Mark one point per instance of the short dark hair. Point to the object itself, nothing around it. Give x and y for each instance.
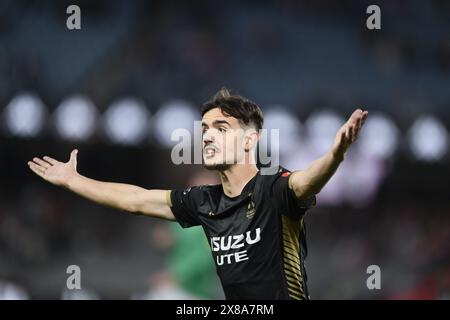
(241, 108)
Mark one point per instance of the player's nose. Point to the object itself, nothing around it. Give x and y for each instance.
(208, 137)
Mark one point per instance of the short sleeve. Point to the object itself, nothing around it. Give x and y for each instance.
(285, 199)
(184, 204)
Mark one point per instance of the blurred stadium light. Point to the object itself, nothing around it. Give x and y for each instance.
(428, 139)
(79, 294)
(12, 291)
(126, 121)
(379, 138)
(279, 118)
(173, 115)
(75, 118)
(24, 115)
(322, 127)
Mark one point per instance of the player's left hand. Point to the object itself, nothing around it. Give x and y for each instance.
(348, 133)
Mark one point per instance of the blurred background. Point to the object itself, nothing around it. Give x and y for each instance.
(137, 70)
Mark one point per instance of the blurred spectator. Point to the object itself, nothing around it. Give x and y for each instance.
(190, 272)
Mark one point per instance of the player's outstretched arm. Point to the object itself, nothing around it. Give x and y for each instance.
(309, 182)
(126, 197)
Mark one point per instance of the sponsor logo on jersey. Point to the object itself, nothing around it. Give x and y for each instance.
(234, 242)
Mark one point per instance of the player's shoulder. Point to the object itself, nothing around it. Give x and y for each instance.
(270, 175)
(201, 189)
(211, 188)
(269, 178)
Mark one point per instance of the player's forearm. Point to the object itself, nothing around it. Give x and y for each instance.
(111, 194)
(310, 182)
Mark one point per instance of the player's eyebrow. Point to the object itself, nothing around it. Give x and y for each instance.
(216, 123)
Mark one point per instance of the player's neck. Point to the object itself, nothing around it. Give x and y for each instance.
(235, 178)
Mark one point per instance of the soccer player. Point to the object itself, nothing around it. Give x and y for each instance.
(254, 222)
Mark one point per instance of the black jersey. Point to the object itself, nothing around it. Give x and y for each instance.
(257, 239)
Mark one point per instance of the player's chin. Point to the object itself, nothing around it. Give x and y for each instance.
(216, 166)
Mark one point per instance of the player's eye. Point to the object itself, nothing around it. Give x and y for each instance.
(222, 130)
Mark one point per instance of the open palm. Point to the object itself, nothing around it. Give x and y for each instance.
(348, 133)
(54, 171)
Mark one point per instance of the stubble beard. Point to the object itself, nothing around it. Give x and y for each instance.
(217, 166)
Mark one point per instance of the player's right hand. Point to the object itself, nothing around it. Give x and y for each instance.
(53, 171)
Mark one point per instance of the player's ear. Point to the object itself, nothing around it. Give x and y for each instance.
(250, 139)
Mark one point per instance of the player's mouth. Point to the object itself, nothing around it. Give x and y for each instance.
(210, 151)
